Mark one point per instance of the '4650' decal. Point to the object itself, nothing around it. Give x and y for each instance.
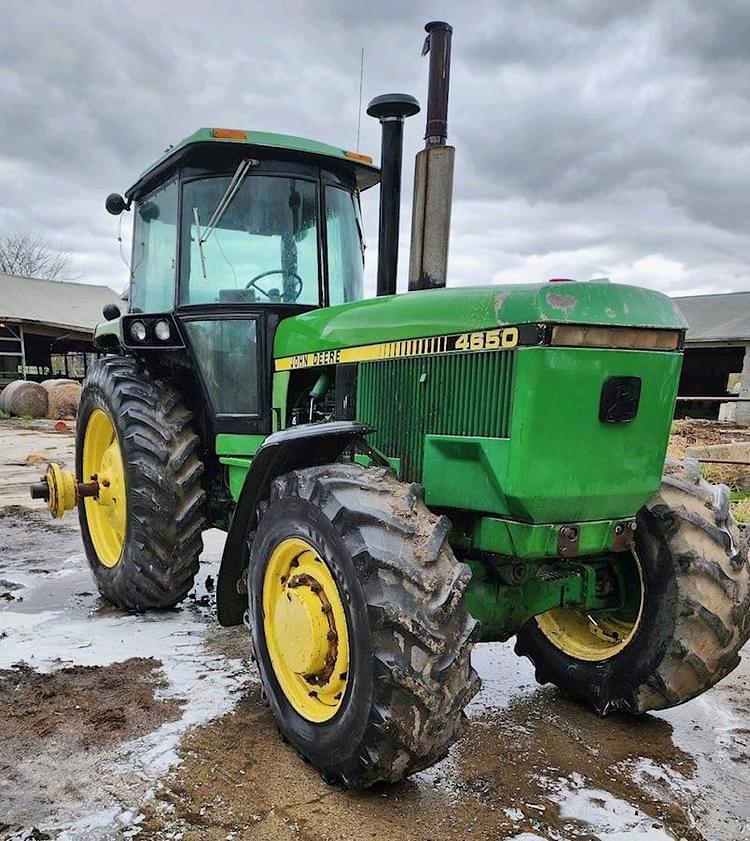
(506, 337)
(501, 338)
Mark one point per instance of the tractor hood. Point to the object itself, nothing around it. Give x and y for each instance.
(464, 309)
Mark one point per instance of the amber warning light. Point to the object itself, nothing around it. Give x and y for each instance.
(228, 134)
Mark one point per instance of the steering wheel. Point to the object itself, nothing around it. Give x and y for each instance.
(253, 283)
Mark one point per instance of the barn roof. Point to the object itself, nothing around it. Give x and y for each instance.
(53, 303)
(715, 319)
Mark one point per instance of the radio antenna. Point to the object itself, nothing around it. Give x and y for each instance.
(361, 78)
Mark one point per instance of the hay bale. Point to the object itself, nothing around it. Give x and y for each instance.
(50, 384)
(23, 398)
(63, 400)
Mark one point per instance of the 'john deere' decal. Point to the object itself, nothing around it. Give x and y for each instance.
(502, 338)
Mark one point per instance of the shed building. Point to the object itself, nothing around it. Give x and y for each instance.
(717, 352)
(47, 327)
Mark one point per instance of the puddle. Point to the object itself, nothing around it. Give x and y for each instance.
(532, 765)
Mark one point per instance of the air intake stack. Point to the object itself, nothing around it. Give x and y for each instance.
(433, 174)
(391, 109)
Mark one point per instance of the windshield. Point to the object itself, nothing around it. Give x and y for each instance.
(262, 247)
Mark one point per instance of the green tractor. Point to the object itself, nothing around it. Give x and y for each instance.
(398, 477)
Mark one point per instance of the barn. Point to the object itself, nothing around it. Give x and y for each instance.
(47, 327)
(717, 353)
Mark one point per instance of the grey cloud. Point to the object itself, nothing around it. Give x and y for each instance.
(604, 136)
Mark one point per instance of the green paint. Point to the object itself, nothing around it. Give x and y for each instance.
(367, 175)
(243, 445)
(503, 604)
(105, 332)
(564, 464)
(279, 390)
(236, 461)
(465, 472)
(525, 540)
(235, 452)
(442, 311)
(236, 472)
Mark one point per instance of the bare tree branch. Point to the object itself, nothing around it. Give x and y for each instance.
(27, 255)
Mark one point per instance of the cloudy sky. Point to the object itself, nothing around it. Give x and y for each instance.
(594, 137)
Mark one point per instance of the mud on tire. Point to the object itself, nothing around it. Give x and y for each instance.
(696, 611)
(411, 636)
(166, 504)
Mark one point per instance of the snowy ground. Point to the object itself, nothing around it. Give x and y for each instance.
(182, 746)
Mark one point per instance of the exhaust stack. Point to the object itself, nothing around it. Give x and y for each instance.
(391, 109)
(433, 173)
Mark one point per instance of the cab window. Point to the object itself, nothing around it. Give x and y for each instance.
(251, 239)
(345, 246)
(153, 263)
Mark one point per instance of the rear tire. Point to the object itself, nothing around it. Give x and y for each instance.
(409, 634)
(696, 606)
(166, 505)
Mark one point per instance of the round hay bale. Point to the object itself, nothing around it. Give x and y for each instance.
(50, 384)
(64, 400)
(23, 398)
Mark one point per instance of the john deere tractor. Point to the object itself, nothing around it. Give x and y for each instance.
(398, 477)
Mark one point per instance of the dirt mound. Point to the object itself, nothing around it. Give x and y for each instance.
(86, 706)
(63, 400)
(693, 434)
(24, 399)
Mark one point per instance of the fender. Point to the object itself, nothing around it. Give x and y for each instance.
(308, 445)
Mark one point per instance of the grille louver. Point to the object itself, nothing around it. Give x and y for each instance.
(459, 394)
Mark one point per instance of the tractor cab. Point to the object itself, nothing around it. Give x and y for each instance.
(233, 231)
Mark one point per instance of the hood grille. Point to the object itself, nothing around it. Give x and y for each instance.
(457, 394)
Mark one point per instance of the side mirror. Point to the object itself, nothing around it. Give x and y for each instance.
(111, 312)
(115, 204)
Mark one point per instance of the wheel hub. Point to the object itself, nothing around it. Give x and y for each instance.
(302, 629)
(306, 631)
(601, 635)
(106, 513)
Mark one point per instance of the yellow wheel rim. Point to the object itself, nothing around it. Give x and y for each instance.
(306, 632)
(106, 514)
(600, 635)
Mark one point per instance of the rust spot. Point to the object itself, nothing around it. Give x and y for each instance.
(500, 299)
(560, 301)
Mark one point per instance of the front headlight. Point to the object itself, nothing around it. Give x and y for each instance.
(138, 331)
(162, 330)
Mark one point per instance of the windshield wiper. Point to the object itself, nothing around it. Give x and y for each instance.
(358, 220)
(224, 202)
(197, 220)
(229, 194)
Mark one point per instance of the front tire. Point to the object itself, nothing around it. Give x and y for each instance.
(142, 533)
(396, 705)
(694, 615)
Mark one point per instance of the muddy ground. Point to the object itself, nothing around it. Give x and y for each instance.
(116, 726)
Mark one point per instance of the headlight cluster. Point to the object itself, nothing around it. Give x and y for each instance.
(152, 332)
